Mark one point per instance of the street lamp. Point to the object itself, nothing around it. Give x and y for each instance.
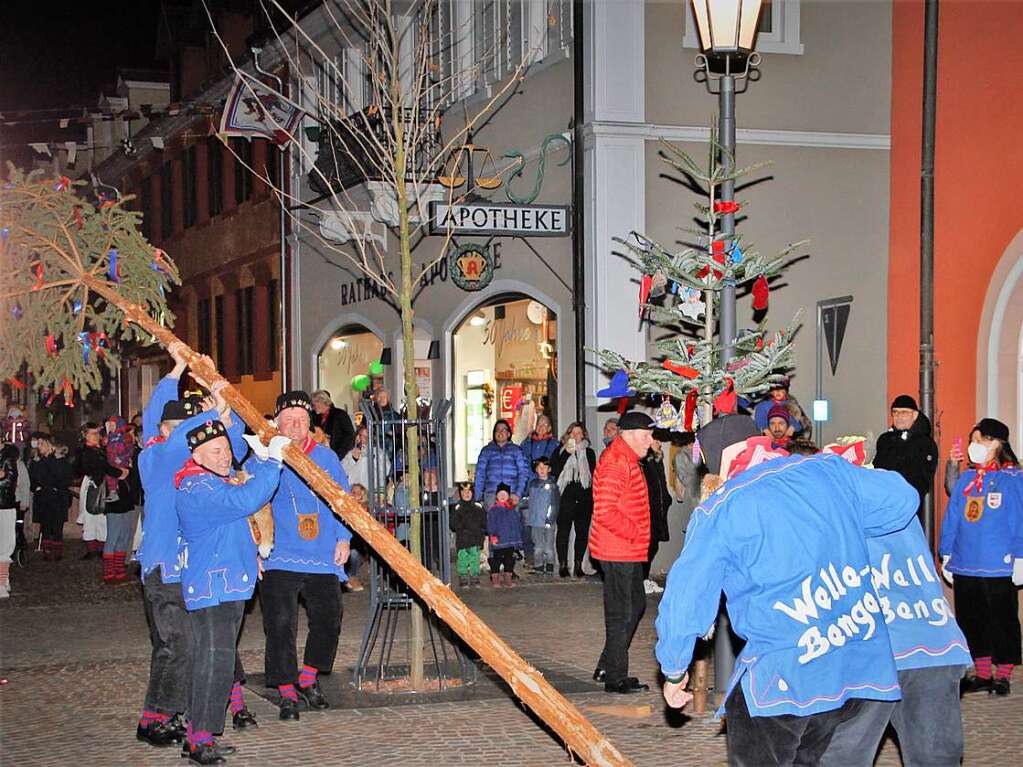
(727, 31)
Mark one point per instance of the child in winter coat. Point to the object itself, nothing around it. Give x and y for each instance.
(504, 524)
(469, 524)
(981, 551)
(544, 500)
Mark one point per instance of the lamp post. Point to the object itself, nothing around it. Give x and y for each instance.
(727, 62)
(727, 30)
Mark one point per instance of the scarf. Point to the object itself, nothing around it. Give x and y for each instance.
(190, 469)
(978, 481)
(577, 468)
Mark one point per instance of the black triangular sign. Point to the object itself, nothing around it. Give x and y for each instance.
(835, 319)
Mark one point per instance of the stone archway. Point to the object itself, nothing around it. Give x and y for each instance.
(1000, 342)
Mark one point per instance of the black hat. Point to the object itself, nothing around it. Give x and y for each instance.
(293, 399)
(503, 486)
(180, 409)
(992, 429)
(207, 432)
(634, 419)
(904, 401)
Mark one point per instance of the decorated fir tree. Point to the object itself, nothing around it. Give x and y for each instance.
(680, 292)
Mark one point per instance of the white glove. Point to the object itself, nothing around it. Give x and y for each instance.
(276, 448)
(944, 569)
(262, 451)
(1017, 572)
(265, 549)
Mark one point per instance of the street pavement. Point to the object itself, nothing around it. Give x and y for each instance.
(74, 657)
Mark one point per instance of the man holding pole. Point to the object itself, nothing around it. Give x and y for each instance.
(308, 559)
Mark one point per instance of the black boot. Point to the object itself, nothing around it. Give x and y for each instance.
(205, 753)
(243, 720)
(313, 696)
(1001, 687)
(158, 735)
(578, 571)
(976, 684)
(289, 710)
(563, 572)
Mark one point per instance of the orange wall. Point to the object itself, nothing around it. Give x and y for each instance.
(978, 162)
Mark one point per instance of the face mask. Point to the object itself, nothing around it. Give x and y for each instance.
(608, 441)
(34, 443)
(978, 453)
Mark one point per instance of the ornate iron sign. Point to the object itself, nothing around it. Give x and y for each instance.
(471, 266)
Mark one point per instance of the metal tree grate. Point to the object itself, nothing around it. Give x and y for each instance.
(385, 652)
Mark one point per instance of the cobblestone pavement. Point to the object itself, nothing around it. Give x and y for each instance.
(75, 660)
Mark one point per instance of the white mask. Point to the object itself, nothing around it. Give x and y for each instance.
(978, 453)
(34, 443)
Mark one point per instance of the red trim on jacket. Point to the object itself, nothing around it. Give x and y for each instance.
(620, 531)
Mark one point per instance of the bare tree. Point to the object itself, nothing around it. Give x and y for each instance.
(384, 123)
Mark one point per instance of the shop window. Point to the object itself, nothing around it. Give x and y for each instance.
(215, 173)
(778, 28)
(166, 202)
(505, 366)
(205, 327)
(346, 354)
(246, 332)
(274, 328)
(189, 200)
(242, 149)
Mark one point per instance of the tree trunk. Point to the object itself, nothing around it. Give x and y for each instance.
(579, 735)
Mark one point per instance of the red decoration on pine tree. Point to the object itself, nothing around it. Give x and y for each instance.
(37, 270)
(761, 291)
(681, 370)
(645, 285)
(15, 383)
(727, 400)
(77, 217)
(689, 409)
(717, 252)
(726, 206)
(63, 184)
(69, 393)
(51, 344)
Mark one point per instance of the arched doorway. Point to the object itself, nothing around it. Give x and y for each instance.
(1000, 346)
(346, 354)
(504, 365)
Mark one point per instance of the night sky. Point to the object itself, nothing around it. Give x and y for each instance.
(55, 53)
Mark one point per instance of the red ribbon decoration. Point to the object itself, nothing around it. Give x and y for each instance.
(681, 370)
(63, 184)
(623, 404)
(726, 206)
(38, 271)
(15, 383)
(717, 252)
(645, 286)
(51, 344)
(690, 409)
(727, 400)
(761, 291)
(69, 394)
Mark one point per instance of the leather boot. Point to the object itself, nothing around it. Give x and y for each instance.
(578, 571)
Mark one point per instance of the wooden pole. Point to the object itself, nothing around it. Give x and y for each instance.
(578, 734)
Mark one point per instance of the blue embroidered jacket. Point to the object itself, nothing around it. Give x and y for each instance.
(292, 505)
(785, 540)
(983, 527)
(921, 627)
(218, 557)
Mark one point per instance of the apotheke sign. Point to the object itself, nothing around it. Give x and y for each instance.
(500, 219)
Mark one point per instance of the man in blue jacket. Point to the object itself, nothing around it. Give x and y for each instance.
(785, 541)
(219, 567)
(308, 559)
(165, 421)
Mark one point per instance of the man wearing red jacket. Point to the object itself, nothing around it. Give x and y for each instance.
(619, 539)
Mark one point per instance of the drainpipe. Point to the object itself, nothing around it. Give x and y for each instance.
(578, 205)
(927, 235)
